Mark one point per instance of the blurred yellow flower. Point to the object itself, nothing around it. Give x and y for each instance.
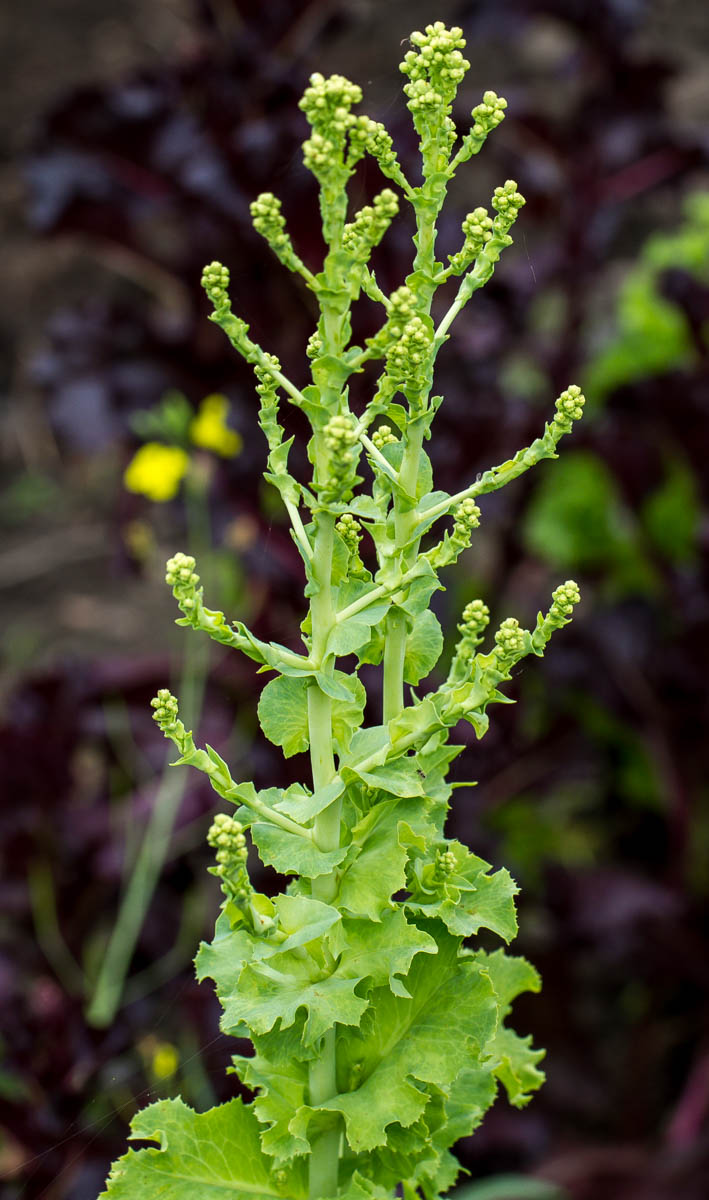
(210, 430)
(166, 1060)
(156, 471)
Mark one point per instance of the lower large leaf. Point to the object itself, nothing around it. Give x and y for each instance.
(200, 1156)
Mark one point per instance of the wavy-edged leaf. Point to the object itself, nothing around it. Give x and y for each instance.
(404, 1043)
(216, 1153)
(376, 859)
(513, 1057)
(291, 854)
(380, 952)
(275, 990)
(516, 1066)
(282, 1090)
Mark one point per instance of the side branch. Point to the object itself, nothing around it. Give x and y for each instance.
(184, 581)
(210, 763)
(569, 408)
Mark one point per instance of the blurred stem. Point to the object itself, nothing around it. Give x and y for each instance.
(111, 981)
(47, 929)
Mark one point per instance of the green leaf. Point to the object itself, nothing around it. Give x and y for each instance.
(516, 1066)
(424, 647)
(283, 714)
(469, 899)
(515, 1062)
(303, 919)
(276, 989)
(672, 514)
(398, 778)
(216, 1153)
(281, 1092)
(376, 864)
(380, 952)
(347, 713)
(405, 1043)
(292, 854)
(223, 959)
(302, 806)
(511, 975)
(348, 636)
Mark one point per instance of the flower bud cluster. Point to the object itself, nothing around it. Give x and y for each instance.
(266, 385)
(383, 436)
(507, 202)
(564, 598)
(314, 346)
(410, 354)
(569, 408)
(181, 576)
(466, 518)
(340, 439)
(446, 862)
(488, 114)
(400, 310)
(370, 224)
(371, 137)
(435, 68)
(166, 710)
(326, 104)
(270, 223)
(474, 622)
(509, 641)
(477, 231)
(226, 836)
(215, 281)
(350, 531)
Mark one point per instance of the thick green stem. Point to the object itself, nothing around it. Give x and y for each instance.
(396, 630)
(322, 1075)
(325, 1156)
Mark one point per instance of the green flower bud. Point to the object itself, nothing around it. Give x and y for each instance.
(488, 114)
(474, 622)
(350, 531)
(383, 436)
(314, 346)
(564, 598)
(510, 641)
(435, 68)
(466, 518)
(507, 202)
(477, 231)
(340, 439)
(569, 408)
(410, 354)
(166, 709)
(270, 223)
(215, 281)
(370, 224)
(400, 310)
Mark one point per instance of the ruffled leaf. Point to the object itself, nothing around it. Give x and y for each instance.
(217, 1153)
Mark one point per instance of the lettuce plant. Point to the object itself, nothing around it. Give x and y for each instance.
(378, 1024)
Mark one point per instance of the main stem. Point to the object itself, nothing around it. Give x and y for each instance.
(396, 630)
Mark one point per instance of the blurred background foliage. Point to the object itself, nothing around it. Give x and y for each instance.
(132, 146)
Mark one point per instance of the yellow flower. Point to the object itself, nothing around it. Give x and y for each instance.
(210, 430)
(156, 471)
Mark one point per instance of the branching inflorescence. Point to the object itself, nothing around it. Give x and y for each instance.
(378, 1026)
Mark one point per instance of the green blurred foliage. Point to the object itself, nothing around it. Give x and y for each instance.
(653, 335)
